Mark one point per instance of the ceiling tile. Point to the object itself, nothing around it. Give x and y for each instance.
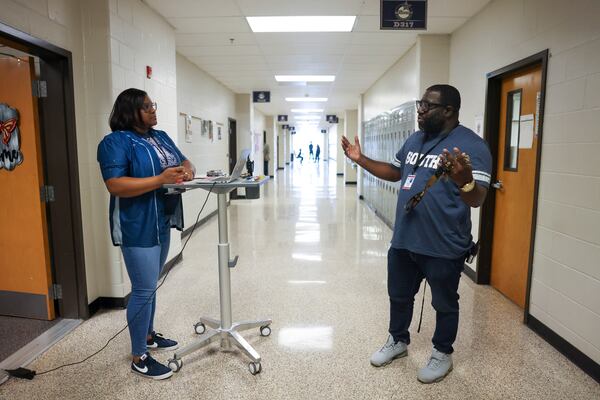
(304, 7)
(213, 24)
(215, 39)
(194, 8)
(202, 51)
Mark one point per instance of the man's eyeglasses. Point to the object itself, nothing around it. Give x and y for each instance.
(149, 107)
(426, 105)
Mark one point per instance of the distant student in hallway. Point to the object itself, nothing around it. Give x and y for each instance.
(317, 153)
(300, 156)
(431, 239)
(136, 160)
(310, 151)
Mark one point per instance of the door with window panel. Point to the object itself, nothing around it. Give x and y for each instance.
(515, 185)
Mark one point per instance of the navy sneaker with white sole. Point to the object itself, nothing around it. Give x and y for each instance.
(148, 367)
(159, 342)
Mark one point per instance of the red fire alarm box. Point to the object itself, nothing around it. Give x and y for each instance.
(148, 72)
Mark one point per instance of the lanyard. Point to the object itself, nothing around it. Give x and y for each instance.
(422, 156)
(156, 145)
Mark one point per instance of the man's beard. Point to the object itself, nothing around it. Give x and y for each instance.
(432, 125)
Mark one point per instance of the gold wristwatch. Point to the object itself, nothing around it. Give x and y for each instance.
(467, 187)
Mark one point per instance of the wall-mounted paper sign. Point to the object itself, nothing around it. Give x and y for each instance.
(188, 128)
(526, 131)
(478, 127)
(403, 14)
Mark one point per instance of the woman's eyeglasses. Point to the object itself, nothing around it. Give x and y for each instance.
(149, 107)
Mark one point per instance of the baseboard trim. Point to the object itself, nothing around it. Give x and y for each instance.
(586, 364)
(468, 271)
(108, 303)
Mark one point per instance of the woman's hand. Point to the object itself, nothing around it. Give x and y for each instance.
(173, 175)
(189, 171)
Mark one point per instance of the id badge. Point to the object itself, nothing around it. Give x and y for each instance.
(408, 182)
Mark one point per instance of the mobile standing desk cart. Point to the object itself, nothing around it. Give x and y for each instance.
(223, 329)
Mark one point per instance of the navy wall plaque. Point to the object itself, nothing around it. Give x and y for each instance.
(403, 14)
(261, 97)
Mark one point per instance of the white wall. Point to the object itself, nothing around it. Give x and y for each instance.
(433, 52)
(398, 85)
(337, 130)
(350, 130)
(259, 125)
(245, 114)
(201, 96)
(565, 292)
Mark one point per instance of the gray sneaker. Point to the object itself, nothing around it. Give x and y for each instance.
(438, 366)
(389, 352)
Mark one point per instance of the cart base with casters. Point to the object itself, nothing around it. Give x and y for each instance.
(224, 330)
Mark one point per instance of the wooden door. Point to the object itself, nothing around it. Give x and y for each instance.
(515, 186)
(25, 268)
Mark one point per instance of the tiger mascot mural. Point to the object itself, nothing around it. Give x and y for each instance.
(10, 152)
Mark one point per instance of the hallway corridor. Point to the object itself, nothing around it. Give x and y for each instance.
(312, 258)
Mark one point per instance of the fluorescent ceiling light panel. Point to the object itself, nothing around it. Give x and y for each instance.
(307, 110)
(305, 78)
(307, 99)
(302, 23)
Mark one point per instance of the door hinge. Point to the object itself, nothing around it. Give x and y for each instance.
(40, 88)
(47, 193)
(56, 291)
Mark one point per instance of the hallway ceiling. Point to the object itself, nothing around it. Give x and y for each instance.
(204, 28)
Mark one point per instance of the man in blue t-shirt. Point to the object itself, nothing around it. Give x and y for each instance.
(432, 233)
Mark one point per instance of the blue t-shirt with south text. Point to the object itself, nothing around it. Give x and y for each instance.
(440, 225)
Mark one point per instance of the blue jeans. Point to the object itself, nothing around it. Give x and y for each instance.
(143, 266)
(406, 270)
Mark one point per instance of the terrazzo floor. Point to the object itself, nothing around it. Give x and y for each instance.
(312, 258)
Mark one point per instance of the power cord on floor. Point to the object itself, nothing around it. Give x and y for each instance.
(25, 373)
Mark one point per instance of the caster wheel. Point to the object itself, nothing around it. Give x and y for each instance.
(265, 330)
(199, 328)
(254, 368)
(175, 364)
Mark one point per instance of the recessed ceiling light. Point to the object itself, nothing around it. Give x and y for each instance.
(302, 24)
(307, 110)
(307, 99)
(305, 78)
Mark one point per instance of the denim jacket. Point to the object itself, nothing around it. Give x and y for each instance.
(144, 220)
